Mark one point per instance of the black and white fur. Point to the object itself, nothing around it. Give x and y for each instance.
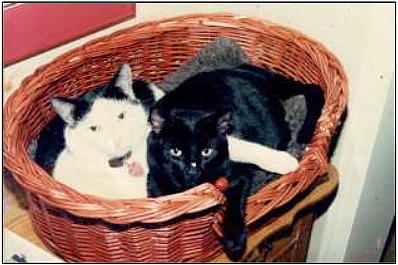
(110, 126)
(93, 133)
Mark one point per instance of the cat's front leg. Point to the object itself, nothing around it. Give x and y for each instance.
(235, 231)
(153, 188)
(269, 159)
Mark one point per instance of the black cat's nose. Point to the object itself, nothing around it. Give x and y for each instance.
(192, 170)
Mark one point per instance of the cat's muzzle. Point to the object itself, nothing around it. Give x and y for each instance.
(192, 175)
(119, 160)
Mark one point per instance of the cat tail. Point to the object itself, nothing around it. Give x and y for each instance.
(314, 101)
(222, 53)
(286, 88)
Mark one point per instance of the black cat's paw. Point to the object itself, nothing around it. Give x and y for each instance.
(235, 245)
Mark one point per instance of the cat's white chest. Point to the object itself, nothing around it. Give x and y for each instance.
(96, 178)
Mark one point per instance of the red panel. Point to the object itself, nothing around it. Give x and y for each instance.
(32, 28)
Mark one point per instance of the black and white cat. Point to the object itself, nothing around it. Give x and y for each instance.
(102, 146)
(190, 139)
(105, 152)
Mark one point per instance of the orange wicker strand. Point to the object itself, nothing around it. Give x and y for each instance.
(177, 228)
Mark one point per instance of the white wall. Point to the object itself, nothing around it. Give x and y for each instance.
(362, 37)
(374, 216)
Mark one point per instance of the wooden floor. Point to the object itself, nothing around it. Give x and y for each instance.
(17, 218)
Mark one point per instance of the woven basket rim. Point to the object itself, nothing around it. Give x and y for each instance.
(165, 208)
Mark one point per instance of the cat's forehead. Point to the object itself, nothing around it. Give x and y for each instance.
(111, 104)
(189, 126)
(104, 108)
(188, 118)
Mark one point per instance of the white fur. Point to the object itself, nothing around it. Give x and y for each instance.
(64, 109)
(158, 93)
(125, 80)
(267, 158)
(83, 164)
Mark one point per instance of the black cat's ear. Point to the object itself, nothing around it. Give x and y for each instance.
(156, 120)
(121, 85)
(224, 121)
(64, 108)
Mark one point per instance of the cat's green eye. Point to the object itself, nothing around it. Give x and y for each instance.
(207, 152)
(93, 128)
(175, 152)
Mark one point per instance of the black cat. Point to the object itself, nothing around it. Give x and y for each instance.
(188, 143)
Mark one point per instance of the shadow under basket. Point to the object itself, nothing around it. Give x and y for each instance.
(184, 227)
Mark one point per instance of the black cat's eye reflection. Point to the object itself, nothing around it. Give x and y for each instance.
(207, 152)
(175, 152)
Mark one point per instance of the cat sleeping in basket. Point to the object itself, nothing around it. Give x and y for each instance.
(102, 140)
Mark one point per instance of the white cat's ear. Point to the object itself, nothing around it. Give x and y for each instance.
(124, 79)
(122, 83)
(156, 120)
(64, 108)
(157, 92)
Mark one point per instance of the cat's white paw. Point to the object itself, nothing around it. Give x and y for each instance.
(285, 163)
(281, 162)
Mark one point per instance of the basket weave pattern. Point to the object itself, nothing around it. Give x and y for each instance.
(180, 227)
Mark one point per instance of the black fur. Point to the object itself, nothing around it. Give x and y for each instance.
(111, 90)
(255, 97)
(284, 88)
(50, 144)
(143, 93)
(190, 132)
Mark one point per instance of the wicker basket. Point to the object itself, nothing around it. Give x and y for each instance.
(180, 227)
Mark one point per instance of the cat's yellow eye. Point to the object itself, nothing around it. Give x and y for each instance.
(121, 116)
(93, 128)
(175, 152)
(207, 152)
